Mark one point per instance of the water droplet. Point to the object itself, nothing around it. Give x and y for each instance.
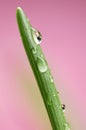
(36, 36)
(42, 56)
(51, 78)
(66, 126)
(34, 50)
(63, 107)
(41, 64)
(39, 36)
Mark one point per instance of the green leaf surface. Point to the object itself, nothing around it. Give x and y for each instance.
(31, 41)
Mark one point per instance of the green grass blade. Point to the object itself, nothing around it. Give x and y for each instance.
(31, 39)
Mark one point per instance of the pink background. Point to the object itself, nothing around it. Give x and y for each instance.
(63, 26)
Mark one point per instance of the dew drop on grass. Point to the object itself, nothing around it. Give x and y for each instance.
(66, 126)
(34, 51)
(51, 78)
(41, 64)
(36, 36)
(42, 56)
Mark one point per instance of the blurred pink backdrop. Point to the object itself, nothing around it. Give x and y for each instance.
(63, 26)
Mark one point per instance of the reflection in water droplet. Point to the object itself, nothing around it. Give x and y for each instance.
(51, 78)
(66, 126)
(63, 107)
(41, 64)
